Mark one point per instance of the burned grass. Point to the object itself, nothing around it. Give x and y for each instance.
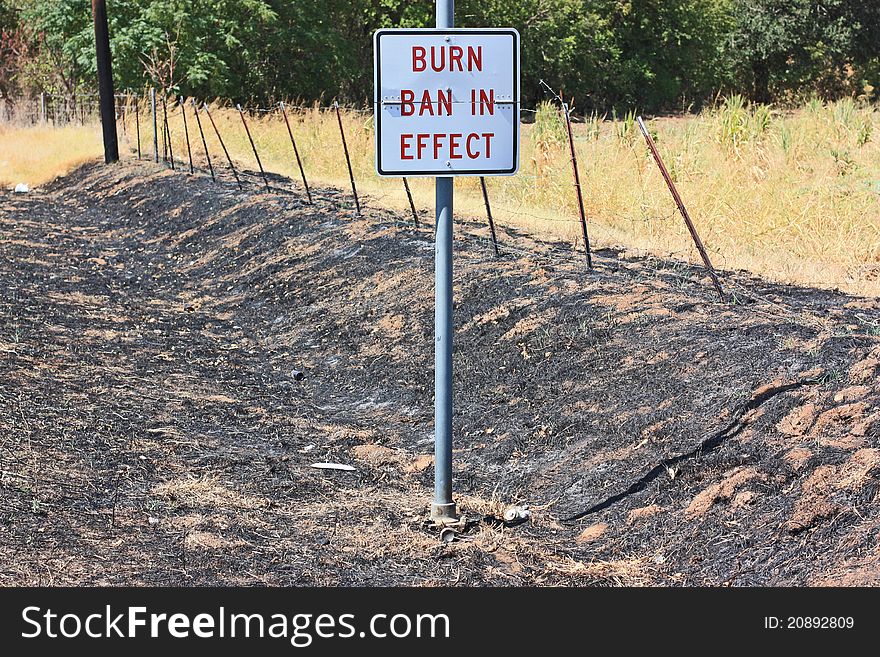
(154, 428)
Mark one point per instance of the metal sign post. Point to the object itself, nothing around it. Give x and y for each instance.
(446, 104)
(443, 508)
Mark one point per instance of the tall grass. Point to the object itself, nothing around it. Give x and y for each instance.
(794, 196)
(36, 155)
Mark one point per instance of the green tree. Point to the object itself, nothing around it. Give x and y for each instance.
(781, 46)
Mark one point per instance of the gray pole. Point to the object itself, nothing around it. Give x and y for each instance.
(43, 107)
(155, 125)
(443, 507)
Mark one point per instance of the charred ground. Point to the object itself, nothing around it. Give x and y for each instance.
(152, 430)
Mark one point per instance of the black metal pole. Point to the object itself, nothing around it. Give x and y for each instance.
(226, 152)
(489, 214)
(296, 153)
(254, 147)
(577, 185)
(167, 131)
(204, 143)
(105, 81)
(186, 131)
(354, 191)
(412, 205)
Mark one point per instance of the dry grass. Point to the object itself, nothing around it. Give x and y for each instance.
(37, 155)
(792, 196)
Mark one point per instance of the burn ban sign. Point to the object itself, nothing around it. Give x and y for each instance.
(446, 102)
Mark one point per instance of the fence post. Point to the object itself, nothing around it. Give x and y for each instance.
(577, 185)
(220, 139)
(681, 208)
(137, 124)
(167, 131)
(254, 147)
(155, 125)
(296, 153)
(182, 103)
(204, 143)
(489, 214)
(43, 107)
(412, 205)
(357, 203)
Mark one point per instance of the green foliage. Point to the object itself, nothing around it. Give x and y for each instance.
(740, 121)
(625, 126)
(779, 47)
(608, 54)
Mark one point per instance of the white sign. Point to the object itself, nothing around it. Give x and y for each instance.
(447, 102)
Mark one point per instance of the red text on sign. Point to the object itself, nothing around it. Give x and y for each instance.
(427, 105)
(447, 58)
(485, 103)
(442, 146)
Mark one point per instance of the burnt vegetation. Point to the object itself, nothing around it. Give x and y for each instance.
(175, 355)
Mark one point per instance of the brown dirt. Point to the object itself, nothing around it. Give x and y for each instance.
(152, 430)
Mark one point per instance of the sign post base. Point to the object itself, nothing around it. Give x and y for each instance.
(444, 513)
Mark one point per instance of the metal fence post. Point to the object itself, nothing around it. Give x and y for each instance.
(443, 508)
(489, 214)
(204, 143)
(357, 203)
(223, 146)
(681, 208)
(43, 107)
(182, 103)
(137, 124)
(155, 125)
(167, 131)
(412, 205)
(296, 153)
(254, 147)
(577, 185)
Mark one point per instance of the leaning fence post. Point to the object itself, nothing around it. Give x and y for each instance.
(254, 147)
(167, 132)
(220, 139)
(681, 208)
(412, 205)
(357, 203)
(577, 185)
(155, 124)
(182, 103)
(204, 143)
(489, 214)
(296, 153)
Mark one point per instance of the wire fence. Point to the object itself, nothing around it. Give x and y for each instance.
(143, 119)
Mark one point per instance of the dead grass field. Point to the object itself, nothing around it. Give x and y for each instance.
(793, 196)
(37, 155)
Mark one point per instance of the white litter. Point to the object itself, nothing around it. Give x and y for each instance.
(517, 513)
(21, 188)
(333, 466)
